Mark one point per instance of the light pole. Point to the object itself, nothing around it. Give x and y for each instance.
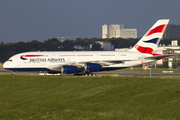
(150, 71)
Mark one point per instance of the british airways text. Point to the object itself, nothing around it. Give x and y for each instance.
(54, 60)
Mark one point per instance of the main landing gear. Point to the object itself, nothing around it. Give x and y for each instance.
(85, 74)
(91, 74)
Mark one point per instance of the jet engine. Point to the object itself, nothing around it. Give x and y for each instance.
(68, 69)
(92, 67)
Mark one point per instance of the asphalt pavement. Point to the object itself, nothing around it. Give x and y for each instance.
(107, 73)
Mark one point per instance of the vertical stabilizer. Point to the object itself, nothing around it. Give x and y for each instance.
(149, 42)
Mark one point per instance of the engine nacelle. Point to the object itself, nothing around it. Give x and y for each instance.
(92, 67)
(68, 69)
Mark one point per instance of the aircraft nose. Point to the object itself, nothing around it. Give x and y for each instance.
(5, 65)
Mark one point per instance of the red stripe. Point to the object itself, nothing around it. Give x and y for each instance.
(158, 29)
(144, 49)
(31, 55)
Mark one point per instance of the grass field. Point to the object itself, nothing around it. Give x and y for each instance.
(27, 97)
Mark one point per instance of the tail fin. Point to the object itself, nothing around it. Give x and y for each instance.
(149, 42)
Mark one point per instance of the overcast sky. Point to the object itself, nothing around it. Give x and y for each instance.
(27, 20)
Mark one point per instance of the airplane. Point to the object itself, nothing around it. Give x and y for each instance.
(87, 62)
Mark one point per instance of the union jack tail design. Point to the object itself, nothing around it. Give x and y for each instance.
(149, 42)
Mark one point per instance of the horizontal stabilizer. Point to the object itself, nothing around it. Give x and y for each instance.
(157, 57)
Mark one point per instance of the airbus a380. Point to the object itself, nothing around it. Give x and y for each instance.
(75, 62)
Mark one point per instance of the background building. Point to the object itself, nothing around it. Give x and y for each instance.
(117, 31)
(81, 47)
(172, 31)
(107, 46)
(172, 48)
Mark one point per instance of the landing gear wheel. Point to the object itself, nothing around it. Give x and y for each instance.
(89, 74)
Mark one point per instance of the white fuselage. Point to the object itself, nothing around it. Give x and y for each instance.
(53, 61)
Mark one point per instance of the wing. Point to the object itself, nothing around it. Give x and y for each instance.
(105, 62)
(81, 65)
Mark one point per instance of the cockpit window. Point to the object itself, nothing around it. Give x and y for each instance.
(10, 60)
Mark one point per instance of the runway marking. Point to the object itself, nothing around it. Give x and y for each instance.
(109, 75)
(167, 71)
(115, 75)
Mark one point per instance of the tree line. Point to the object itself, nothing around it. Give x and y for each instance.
(9, 49)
